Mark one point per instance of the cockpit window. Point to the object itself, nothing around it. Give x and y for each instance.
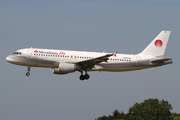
(17, 53)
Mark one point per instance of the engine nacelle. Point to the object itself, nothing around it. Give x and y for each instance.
(64, 68)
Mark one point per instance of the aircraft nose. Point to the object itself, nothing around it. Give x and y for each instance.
(9, 59)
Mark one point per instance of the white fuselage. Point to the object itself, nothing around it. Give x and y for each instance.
(64, 62)
(49, 58)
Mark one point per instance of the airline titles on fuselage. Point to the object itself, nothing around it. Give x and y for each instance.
(62, 54)
(49, 52)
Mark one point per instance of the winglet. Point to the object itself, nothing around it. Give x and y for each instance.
(114, 54)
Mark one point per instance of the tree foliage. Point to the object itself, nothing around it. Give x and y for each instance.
(116, 115)
(176, 116)
(151, 109)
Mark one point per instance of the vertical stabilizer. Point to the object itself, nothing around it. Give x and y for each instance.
(158, 46)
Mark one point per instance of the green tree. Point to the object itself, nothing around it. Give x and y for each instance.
(116, 114)
(130, 111)
(175, 116)
(104, 118)
(151, 109)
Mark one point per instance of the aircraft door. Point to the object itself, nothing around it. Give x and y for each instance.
(29, 54)
(138, 60)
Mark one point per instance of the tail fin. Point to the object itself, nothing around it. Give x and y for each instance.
(158, 46)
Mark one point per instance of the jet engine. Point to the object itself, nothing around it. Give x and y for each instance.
(64, 68)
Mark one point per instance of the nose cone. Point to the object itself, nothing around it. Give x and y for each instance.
(9, 59)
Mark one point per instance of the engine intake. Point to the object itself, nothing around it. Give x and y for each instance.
(64, 68)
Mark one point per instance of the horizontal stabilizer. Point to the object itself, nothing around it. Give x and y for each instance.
(161, 60)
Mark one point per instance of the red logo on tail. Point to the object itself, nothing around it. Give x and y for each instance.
(158, 43)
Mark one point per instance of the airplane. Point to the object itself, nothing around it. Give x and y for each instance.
(66, 61)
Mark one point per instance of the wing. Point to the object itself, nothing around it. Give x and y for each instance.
(95, 61)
